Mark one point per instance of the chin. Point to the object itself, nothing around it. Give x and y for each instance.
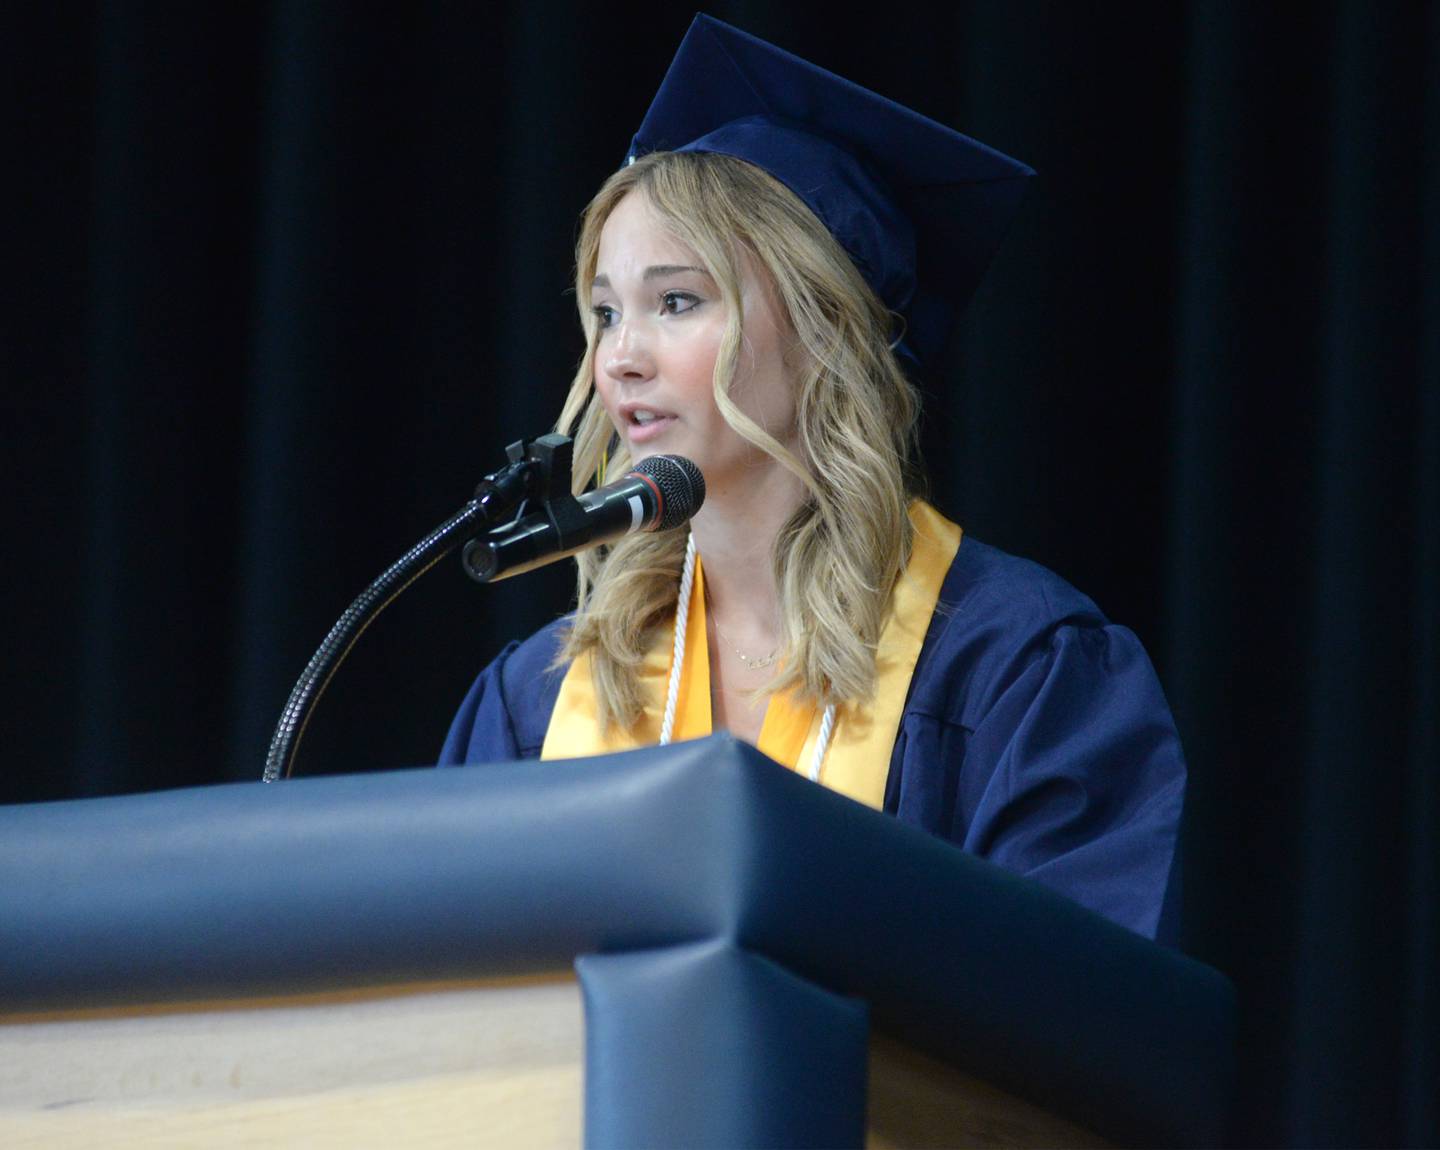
(662, 445)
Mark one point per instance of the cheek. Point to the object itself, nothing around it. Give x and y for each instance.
(766, 392)
(694, 373)
(604, 393)
(766, 389)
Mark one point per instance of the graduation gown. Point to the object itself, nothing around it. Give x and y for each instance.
(1035, 735)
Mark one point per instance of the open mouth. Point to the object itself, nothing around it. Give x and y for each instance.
(645, 422)
(644, 417)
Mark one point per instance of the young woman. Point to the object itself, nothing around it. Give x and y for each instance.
(737, 314)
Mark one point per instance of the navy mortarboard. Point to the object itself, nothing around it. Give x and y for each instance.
(919, 207)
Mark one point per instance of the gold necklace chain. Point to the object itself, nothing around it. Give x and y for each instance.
(751, 663)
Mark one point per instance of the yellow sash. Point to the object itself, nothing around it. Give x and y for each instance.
(858, 759)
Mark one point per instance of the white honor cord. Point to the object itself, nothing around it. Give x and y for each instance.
(677, 658)
(822, 743)
(677, 664)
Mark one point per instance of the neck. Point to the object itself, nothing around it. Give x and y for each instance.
(735, 534)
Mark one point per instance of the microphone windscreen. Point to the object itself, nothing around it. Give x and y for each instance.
(682, 487)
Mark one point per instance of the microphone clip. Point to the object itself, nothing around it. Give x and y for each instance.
(539, 471)
(551, 460)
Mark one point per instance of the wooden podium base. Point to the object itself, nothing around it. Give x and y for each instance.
(492, 1064)
(468, 1064)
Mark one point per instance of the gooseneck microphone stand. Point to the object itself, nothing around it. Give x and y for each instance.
(538, 469)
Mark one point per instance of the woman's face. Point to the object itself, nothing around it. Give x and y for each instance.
(661, 319)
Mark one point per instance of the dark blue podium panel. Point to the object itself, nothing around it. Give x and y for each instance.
(698, 865)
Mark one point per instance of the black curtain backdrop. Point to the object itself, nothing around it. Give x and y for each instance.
(282, 280)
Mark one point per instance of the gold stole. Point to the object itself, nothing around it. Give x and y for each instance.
(858, 760)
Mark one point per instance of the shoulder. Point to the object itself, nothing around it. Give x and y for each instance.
(998, 616)
(985, 579)
(507, 709)
(530, 665)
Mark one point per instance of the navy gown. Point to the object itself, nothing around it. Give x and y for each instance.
(1035, 735)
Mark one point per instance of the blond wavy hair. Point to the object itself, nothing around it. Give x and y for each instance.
(837, 558)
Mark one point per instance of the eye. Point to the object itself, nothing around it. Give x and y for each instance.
(678, 302)
(604, 315)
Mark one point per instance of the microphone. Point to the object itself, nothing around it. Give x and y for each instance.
(657, 494)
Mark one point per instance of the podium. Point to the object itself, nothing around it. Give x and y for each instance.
(679, 946)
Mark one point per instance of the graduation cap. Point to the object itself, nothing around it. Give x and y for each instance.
(919, 207)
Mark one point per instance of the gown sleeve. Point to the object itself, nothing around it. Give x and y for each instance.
(1055, 757)
(483, 721)
(507, 709)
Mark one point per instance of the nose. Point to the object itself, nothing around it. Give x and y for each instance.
(629, 356)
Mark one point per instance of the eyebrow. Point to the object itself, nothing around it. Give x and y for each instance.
(658, 271)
